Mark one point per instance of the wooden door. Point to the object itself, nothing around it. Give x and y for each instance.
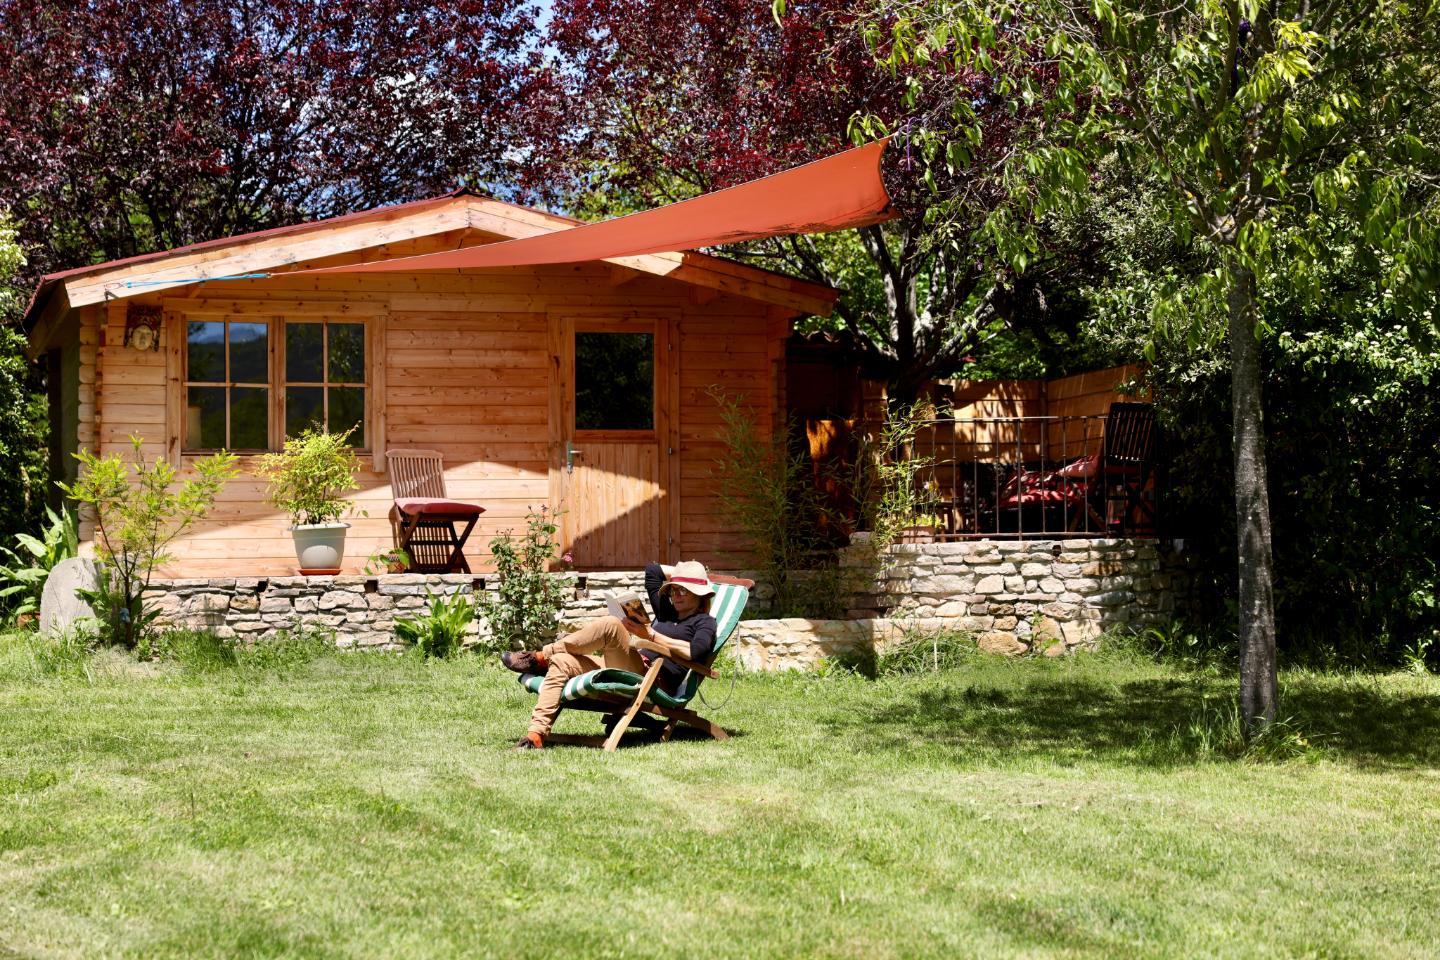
(609, 470)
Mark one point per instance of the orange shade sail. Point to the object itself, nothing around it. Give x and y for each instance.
(837, 193)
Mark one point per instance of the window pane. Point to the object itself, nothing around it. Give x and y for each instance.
(205, 418)
(614, 381)
(205, 351)
(347, 352)
(249, 353)
(347, 409)
(303, 352)
(304, 407)
(249, 418)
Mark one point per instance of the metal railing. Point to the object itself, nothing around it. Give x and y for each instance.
(1029, 477)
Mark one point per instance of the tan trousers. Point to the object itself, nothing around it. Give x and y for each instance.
(569, 657)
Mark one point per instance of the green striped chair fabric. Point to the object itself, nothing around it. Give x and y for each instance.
(726, 608)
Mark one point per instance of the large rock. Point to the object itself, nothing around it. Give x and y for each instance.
(60, 605)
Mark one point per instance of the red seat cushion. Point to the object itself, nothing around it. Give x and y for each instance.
(414, 505)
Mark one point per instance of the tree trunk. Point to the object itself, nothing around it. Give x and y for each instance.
(1259, 686)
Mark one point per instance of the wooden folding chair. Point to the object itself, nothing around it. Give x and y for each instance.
(1116, 479)
(423, 520)
(611, 690)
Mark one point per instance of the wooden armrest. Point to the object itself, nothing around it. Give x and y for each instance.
(664, 652)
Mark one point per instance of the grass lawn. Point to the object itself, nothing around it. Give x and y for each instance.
(368, 806)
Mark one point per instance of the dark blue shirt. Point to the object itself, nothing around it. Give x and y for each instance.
(698, 629)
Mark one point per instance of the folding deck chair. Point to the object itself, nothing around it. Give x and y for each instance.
(1116, 479)
(422, 520)
(612, 690)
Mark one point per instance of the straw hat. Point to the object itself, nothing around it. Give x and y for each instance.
(691, 575)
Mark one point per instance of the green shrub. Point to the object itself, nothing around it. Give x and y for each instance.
(768, 492)
(23, 576)
(440, 632)
(525, 609)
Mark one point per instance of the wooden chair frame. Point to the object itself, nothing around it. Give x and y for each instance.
(421, 473)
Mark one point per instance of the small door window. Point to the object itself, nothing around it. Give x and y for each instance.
(614, 381)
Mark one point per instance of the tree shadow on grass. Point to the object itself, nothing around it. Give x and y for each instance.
(1153, 722)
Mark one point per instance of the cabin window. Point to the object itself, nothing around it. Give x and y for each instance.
(325, 378)
(227, 385)
(614, 381)
(251, 383)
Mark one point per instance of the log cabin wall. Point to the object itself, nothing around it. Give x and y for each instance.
(455, 363)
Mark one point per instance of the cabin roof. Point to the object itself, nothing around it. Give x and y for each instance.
(367, 233)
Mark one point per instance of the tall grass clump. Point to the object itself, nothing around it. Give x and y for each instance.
(27, 656)
(926, 652)
(1217, 732)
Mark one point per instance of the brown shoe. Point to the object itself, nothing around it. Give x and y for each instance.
(523, 661)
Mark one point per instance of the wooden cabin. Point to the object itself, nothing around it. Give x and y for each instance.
(581, 387)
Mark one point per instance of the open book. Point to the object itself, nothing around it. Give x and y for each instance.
(630, 608)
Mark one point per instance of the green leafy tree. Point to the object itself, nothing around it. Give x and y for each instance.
(24, 471)
(1267, 127)
(139, 510)
(660, 102)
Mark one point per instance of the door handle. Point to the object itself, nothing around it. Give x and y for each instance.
(570, 453)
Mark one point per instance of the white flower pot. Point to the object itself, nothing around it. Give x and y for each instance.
(320, 546)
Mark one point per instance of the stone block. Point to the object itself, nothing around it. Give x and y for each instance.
(946, 585)
(209, 603)
(1082, 585)
(270, 605)
(1051, 585)
(1080, 632)
(1015, 584)
(244, 603)
(1102, 568)
(996, 641)
(60, 605)
(340, 599)
(1032, 569)
(306, 604)
(1005, 623)
(991, 585)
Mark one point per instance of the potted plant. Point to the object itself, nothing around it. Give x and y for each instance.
(309, 480)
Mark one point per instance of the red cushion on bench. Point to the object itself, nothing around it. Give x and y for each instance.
(436, 505)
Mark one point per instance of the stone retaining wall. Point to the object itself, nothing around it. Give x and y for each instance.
(360, 610)
(1009, 595)
(1015, 586)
